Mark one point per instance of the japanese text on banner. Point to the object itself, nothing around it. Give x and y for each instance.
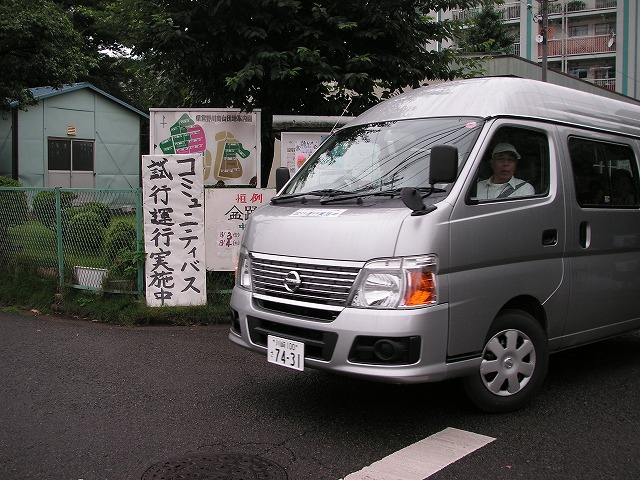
(173, 207)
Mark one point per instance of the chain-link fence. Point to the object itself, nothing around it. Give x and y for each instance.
(87, 238)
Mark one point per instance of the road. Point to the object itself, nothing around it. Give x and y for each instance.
(84, 400)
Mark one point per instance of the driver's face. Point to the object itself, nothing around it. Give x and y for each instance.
(504, 166)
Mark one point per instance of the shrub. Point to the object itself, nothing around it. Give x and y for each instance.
(102, 210)
(85, 232)
(13, 204)
(120, 247)
(44, 207)
(13, 212)
(120, 235)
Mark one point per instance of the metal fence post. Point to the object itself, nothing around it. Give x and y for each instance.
(59, 235)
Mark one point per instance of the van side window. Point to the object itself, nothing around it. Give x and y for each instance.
(605, 174)
(515, 164)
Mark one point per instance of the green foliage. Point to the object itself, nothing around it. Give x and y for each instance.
(9, 182)
(44, 206)
(120, 249)
(13, 212)
(121, 235)
(13, 205)
(27, 290)
(290, 56)
(576, 5)
(100, 209)
(126, 263)
(85, 232)
(38, 46)
(486, 33)
(22, 292)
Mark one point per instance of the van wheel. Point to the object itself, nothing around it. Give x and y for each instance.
(514, 363)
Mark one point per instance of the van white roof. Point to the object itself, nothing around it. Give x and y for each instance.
(509, 96)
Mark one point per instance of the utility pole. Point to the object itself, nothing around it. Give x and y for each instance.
(544, 5)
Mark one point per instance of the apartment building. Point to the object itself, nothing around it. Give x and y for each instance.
(593, 40)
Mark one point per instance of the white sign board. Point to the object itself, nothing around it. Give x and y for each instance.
(227, 211)
(173, 207)
(229, 140)
(297, 147)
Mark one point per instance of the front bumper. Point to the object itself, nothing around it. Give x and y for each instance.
(329, 345)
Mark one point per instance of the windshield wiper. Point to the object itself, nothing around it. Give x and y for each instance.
(326, 192)
(391, 192)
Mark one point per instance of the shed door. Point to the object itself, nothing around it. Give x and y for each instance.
(71, 163)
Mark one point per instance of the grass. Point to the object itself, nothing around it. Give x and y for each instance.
(38, 245)
(27, 292)
(29, 283)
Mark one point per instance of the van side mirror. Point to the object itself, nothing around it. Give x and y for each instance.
(282, 177)
(444, 164)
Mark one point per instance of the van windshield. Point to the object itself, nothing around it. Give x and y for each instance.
(383, 156)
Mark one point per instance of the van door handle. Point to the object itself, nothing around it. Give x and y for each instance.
(585, 235)
(550, 237)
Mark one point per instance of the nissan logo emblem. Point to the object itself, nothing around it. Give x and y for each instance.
(292, 281)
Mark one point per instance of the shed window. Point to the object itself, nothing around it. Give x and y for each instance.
(76, 155)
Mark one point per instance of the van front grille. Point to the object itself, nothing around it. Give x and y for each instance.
(325, 283)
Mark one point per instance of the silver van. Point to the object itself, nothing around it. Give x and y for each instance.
(466, 229)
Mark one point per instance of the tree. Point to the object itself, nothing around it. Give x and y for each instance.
(112, 68)
(486, 32)
(290, 56)
(38, 46)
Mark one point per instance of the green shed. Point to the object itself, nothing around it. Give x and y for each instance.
(77, 136)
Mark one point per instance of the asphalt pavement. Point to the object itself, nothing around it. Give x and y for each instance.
(84, 400)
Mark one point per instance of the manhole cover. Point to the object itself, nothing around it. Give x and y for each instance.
(222, 466)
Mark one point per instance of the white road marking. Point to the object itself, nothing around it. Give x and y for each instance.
(423, 458)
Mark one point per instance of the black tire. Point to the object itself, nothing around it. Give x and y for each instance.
(514, 364)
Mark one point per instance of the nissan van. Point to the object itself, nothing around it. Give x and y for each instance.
(465, 229)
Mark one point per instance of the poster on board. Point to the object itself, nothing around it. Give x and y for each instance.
(174, 234)
(297, 147)
(229, 140)
(227, 212)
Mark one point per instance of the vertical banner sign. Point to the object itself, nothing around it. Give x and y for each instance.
(228, 210)
(228, 139)
(173, 205)
(297, 147)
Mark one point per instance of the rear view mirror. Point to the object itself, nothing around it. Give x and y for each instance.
(444, 164)
(282, 177)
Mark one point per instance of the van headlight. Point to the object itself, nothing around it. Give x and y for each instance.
(243, 269)
(396, 283)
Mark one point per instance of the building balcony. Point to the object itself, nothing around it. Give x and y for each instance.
(608, 83)
(513, 10)
(579, 46)
(580, 6)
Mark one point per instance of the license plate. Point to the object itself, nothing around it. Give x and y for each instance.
(285, 352)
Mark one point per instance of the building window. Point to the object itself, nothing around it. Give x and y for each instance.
(579, 31)
(74, 155)
(605, 28)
